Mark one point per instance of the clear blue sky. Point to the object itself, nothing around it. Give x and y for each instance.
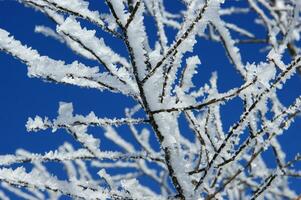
(22, 97)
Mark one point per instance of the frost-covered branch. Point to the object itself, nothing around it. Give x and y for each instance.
(175, 134)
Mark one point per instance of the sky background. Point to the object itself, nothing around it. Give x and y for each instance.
(22, 97)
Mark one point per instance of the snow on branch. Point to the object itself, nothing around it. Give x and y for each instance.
(48, 32)
(77, 8)
(176, 135)
(66, 118)
(20, 177)
(97, 48)
(80, 154)
(57, 71)
(218, 99)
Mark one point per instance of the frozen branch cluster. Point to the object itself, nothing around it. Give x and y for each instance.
(213, 163)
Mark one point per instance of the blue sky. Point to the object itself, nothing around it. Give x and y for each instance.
(22, 97)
